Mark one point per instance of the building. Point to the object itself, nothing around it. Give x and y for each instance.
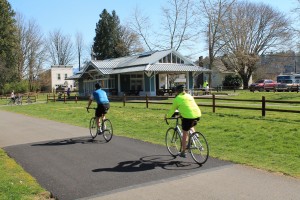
(58, 77)
(141, 74)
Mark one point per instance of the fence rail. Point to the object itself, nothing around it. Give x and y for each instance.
(61, 97)
(215, 103)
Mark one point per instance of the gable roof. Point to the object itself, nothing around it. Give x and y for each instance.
(145, 62)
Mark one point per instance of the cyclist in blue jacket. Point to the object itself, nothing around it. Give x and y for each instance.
(103, 105)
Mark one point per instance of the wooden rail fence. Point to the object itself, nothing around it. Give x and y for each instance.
(214, 103)
(61, 97)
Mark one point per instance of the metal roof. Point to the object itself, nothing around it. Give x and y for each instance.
(129, 69)
(145, 62)
(170, 67)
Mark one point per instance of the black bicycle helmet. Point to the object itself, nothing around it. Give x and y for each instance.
(180, 88)
(97, 86)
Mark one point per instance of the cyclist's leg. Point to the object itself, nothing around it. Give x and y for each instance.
(104, 110)
(186, 125)
(98, 116)
(183, 141)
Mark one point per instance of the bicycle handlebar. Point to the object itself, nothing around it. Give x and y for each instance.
(87, 109)
(166, 119)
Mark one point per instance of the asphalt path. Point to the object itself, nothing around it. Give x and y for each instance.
(66, 162)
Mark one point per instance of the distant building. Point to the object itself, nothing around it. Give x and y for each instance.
(58, 77)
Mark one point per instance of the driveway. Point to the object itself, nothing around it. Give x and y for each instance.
(67, 163)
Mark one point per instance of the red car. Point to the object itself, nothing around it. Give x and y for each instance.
(263, 85)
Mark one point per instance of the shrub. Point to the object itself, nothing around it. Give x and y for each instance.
(232, 81)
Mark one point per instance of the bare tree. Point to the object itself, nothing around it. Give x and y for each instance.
(131, 40)
(140, 24)
(79, 47)
(32, 50)
(213, 12)
(179, 24)
(247, 31)
(60, 48)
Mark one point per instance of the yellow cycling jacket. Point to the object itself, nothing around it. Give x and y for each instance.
(186, 106)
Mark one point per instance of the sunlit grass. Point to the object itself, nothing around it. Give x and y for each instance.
(15, 183)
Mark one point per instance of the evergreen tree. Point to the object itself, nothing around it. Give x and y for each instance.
(108, 41)
(8, 44)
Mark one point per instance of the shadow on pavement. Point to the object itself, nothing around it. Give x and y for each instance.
(81, 140)
(149, 163)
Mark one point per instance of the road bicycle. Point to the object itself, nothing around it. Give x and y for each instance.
(16, 101)
(197, 145)
(105, 128)
(28, 100)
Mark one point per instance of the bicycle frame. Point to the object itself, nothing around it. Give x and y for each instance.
(178, 129)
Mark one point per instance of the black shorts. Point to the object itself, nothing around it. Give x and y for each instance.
(102, 109)
(187, 124)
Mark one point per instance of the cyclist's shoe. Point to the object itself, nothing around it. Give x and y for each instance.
(182, 154)
(99, 132)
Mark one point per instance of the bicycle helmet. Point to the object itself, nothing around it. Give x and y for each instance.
(180, 88)
(97, 86)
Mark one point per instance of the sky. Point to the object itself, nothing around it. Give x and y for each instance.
(72, 16)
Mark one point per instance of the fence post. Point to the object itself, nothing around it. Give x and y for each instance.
(54, 97)
(75, 98)
(47, 98)
(124, 99)
(214, 103)
(147, 101)
(64, 98)
(263, 109)
(297, 88)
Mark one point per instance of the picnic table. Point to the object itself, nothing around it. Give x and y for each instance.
(163, 92)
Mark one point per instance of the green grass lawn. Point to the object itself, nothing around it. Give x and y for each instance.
(270, 143)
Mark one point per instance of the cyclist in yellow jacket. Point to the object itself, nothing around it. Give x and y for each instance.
(189, 111)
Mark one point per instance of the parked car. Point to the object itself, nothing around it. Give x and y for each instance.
(288, 82)
(263, 85)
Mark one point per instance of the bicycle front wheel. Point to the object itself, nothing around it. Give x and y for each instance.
(107, 129)
(173, 141)
(199, 148)
(93, 127)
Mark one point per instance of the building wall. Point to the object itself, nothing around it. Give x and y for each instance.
(58, 75)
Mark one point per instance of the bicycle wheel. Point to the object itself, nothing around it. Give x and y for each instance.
(173, 141)
(10, 102)
(199, 148)
(93, 127)
(28, 100)
(107, 130)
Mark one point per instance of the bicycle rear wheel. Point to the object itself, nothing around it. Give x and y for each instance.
(93, 127)
(173, 141)
(199, 147)
(107, 130)
(28, 100)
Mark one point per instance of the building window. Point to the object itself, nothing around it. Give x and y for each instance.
(136, 82)
(58, 76)
(171, 58)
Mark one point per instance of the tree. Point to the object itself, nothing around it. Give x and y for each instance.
(60, 48)
(178, 25)
(8, 44)
(140, 24)
(108, 41)
(212, 12)
(131, 41)
(79, 47)
(247, 31)
(32, 50)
